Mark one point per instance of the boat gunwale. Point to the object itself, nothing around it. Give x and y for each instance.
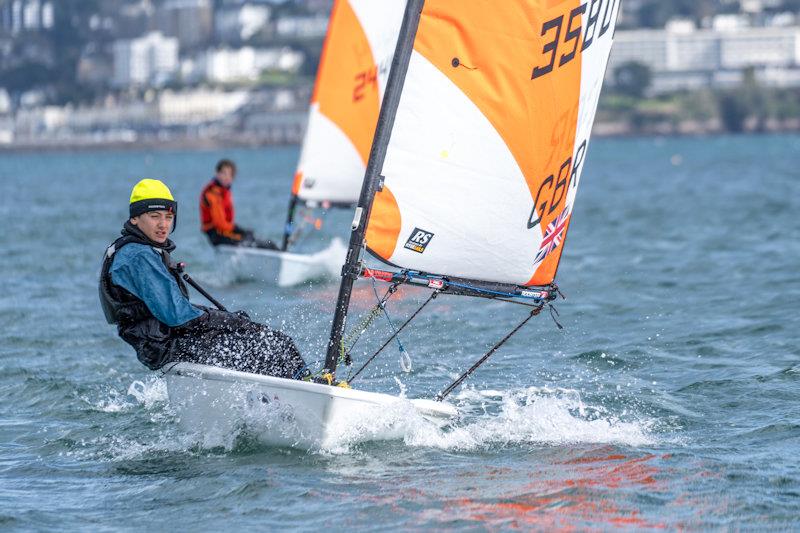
(213, 373)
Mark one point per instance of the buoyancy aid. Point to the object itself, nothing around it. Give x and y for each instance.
(120, 306)
(135, 323)
(216, 209)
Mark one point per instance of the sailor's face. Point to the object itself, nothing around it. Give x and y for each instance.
(156, 225)
(225, 176)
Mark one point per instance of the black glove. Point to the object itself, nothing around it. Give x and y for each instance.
(216, 320)
(227, 321)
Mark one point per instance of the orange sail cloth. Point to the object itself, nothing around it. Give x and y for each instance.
(352, 74)
(490, 137)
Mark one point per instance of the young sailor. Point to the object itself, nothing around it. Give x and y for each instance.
(217, 213)
(142, 292)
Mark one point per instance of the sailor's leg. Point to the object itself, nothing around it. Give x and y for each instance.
(256, 349)
(218, 238)
(249, 239)
(277, 354)
(266, 244)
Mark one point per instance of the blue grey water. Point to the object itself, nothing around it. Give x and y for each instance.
(671, 400)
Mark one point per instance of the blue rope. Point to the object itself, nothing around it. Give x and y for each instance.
(388, 318)
(300, 372)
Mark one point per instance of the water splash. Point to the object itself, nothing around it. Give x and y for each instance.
(157, 430)
(149, 392)
(530, 416)
(113, 402)
(490, 419)
(535, 416)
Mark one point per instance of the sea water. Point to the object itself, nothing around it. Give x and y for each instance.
(670, 400)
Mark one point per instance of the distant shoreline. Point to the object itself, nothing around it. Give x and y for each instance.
(602, 130)
(178, 144)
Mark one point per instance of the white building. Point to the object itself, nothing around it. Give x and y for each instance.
(148, 60)
(303, 27)
(244, 64)
(29, 15)
(191, 21)
(6, 120)
(6, 130)
(757, 47)
(33, 122)
(240, 22)
(198, 106)
(682, 58)
(5, 102)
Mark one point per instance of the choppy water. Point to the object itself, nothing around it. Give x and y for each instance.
(671, 400)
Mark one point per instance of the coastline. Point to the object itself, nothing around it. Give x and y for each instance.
(619, 129)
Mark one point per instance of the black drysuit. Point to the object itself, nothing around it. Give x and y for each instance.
(219, 338)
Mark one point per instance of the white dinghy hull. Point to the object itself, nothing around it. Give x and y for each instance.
(285, 268)
(285, 412)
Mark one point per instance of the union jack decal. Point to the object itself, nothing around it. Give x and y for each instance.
(553, 236)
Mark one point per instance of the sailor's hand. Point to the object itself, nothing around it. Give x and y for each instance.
(223, 320)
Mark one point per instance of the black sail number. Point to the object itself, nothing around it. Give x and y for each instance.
(553, 190)
(551, 47)
(551, 193)
(577, 37)
(573, 34)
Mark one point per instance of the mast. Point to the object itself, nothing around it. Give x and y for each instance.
(371, 184)
(288, 227)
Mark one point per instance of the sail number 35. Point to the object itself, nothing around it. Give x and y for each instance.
(598, 22)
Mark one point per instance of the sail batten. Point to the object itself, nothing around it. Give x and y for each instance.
(490, 138)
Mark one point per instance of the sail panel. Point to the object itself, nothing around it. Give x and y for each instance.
(497, 104)
(351, 78)
(334, 155)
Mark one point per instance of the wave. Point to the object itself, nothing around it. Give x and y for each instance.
(498, 419)
(533, 416)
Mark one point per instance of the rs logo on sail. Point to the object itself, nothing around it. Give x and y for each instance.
(419, 240)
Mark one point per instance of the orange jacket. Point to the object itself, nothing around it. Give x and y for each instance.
(216, 209)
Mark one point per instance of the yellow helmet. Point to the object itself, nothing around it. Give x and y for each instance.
(152, 195)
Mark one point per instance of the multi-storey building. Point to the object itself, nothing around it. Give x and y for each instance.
(26, 15)
(682, 57)
(246, 64)
(233, 23)
(190, 21)
(148, 60)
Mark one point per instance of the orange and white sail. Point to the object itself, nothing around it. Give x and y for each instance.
(352, 75)
(490, 137)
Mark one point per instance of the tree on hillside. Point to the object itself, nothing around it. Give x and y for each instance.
(733, 111)
(25, 77)
(633, 79)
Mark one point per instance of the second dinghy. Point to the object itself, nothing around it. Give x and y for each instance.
(351, 79)
(284, 268)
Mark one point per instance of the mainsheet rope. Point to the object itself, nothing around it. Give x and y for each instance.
(446, 392)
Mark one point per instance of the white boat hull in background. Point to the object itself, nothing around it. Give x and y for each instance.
(285, 268)
(285, 412)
